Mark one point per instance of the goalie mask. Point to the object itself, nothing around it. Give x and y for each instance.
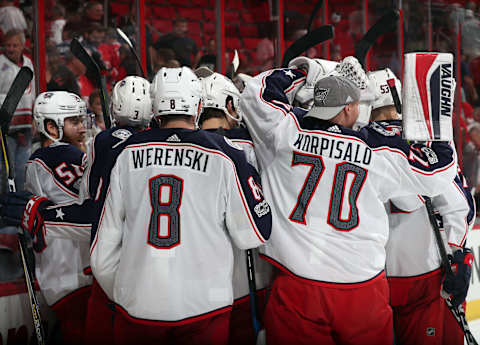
(57, 106)
(383, 96)
(217, 91)
(131, 103)
(176, 91)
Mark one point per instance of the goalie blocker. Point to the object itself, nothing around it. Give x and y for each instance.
(428, 96)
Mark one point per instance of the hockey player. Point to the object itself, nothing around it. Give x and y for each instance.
(327, 185)
(131, 109)
(177, 195)
(220, 114)
(413, 264)
(54, 172)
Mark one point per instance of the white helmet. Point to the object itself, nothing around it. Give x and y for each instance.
(217, 90)
(383, 96)
(131, 103)
(176, 91)
(57, 106)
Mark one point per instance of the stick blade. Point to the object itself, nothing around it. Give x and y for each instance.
(15, 93)
(387, 23)
(317, 36)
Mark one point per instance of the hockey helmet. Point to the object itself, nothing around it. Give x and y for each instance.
(131, 103)
(383, 96)
(57, 106)
(217, 91)
(176, 91)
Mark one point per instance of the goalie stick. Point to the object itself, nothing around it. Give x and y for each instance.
(15, 93)
(311, 39)
(80, 53)
(317, 8)
(387, 23)
(132, 49)
(458, 312)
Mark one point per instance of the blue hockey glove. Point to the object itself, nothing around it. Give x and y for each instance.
(456, 284)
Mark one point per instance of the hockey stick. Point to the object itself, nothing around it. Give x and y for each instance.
(317, 36)
(317, 8)
(17, 89)
(132, 49)
(458, 312)
(387, 23)
(252, 289)
(80, 53)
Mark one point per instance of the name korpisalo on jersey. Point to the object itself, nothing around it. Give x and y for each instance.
(334, 148)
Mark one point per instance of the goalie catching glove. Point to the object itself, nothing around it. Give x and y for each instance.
(23, 209)
(456, 283)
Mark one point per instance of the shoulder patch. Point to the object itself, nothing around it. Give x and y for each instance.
(121, 134)
(379, 129)
(232, 144)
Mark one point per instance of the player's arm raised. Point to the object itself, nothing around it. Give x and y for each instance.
(105, 249)
(266, 101)
(248, 215)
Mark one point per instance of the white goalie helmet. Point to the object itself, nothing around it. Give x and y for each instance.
(217, 91)
(131, 103)
(378, 80)
(316, 69)
(57, 106)
(176, 91)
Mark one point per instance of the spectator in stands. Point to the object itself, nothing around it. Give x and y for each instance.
(265, 50)
(20, 133)
(58, 22)
(184, 47)
(11, 17)
(69, 31)
(471, 35)
(95, 106)
(64, 76)
(93, 13)
(209, 58)
(161, 57)
(471, 157)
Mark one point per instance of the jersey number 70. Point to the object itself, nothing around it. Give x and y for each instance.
(342, 170)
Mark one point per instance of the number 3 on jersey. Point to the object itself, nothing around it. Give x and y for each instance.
(345, 173)
(165, 199)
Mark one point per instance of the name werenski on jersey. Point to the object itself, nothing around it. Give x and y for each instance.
(145, 157)
(334, 148)
(446, 90)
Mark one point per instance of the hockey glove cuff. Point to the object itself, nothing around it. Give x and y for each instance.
(457, 283)
(32, 219)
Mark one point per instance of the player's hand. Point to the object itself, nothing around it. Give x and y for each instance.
(456, 284)
(315, 69)
(23, 209)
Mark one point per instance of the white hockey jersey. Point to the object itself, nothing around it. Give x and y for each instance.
(327, 184)
(411, 248)
(263, 269)
(177, 199)
(22, 118)
(55, 172)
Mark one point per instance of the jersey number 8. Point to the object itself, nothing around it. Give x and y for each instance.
(166, 209)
